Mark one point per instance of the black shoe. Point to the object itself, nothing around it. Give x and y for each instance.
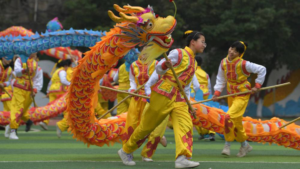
(201, 137)
(28, 125)
(212, 137)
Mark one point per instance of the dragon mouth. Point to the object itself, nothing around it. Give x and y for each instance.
(164, 40)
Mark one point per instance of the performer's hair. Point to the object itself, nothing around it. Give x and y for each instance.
(198, 60)
(66, 62)
(239, 46)
(191, 35)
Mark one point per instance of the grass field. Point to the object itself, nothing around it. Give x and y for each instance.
(43, 150)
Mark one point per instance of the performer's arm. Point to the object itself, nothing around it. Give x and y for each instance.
(196, 84)
(152, 80)
(48, 87)
(131, 79)
(38, 79)
(220, 82)
(260, 70)
(63, 78)
(161, 67)
(209, 84)
(18, 68)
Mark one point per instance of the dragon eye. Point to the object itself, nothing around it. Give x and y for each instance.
(149, 25)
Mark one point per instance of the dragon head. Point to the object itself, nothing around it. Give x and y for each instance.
(143, 28)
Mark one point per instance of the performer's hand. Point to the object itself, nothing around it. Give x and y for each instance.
(34, 92)
(254, 90)
(193, 112)
(215, 98)
(2, 85)
(168, 63)
(47, 96)
(25, 71)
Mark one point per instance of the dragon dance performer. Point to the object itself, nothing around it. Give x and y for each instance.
(122, 77)
(5, 81)
(25, 86)
(234, 71)
(139, 74)
(166, 99)
(58, 83)
(205, 86)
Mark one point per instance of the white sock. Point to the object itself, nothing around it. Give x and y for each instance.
(227, 143)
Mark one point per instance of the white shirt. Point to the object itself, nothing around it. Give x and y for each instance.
(250, 67)
(132, 81)
(38, 81)
(63, 77)
(116, 77)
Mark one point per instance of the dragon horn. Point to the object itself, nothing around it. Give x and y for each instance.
(123, 18)
(129, 18)
(133, 8)
(114, 17)
(120, 9)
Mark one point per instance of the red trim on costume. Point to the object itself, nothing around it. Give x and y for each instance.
(244, 68)
(164, 66)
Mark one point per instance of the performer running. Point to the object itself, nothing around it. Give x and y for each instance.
(58, 83)
(166, 99)
(25, 88)
(234, 71)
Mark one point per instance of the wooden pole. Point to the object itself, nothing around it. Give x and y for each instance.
(290, 123)
(31, 86)
(246, 92)
(121, 91)
(72, 56)
(180, 88)
(139, 88)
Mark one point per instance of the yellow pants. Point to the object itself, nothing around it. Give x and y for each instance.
(63, 123)
(99, 111)
(7, 105)
(159, 109)
(19, 107)
(104, 103)
(52, 97)
(123, 107)
(234, 129)
(137, 109)
(155, 136)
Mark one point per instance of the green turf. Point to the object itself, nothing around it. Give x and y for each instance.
(44, 150)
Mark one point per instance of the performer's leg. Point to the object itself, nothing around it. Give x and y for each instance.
(236, 110)
(134, 115)
(154, 139)
(63, 123)
(17, 107)
(160, 107)
(99, 111)
(6, 105)
(52, 97)
(183, 129)
(123, 107)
